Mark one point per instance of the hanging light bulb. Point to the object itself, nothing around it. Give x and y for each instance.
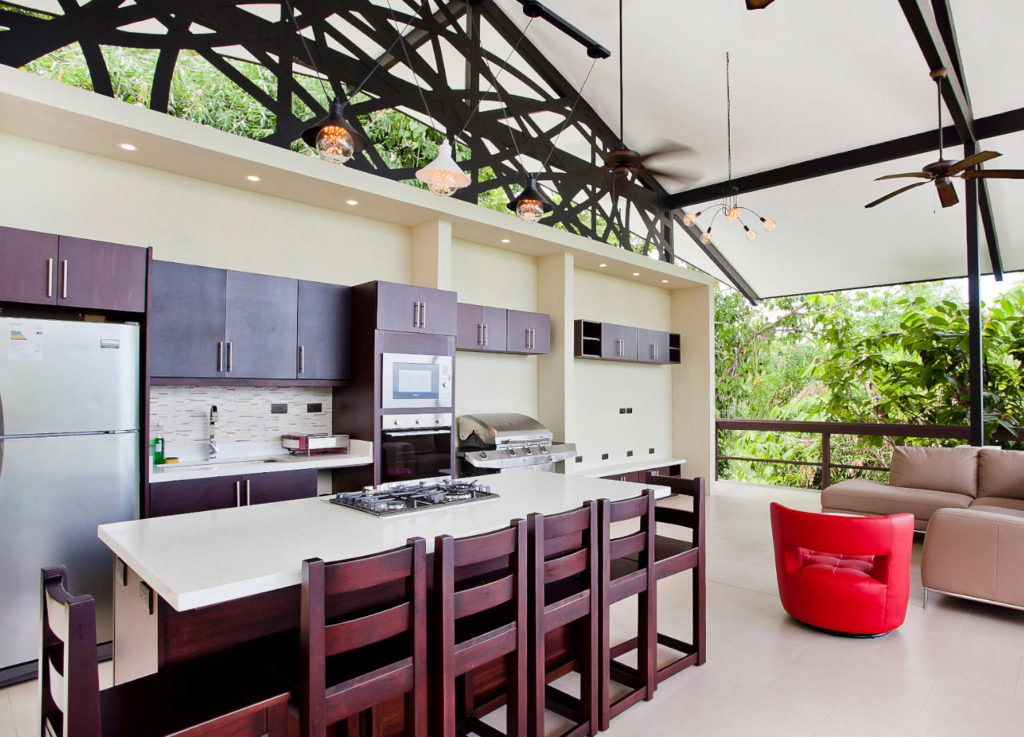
(706, 237)
(690, 218)
(442, 175)
(733, 212)
(531, 204)
(768, 224)
(333, 137)
(751, 235)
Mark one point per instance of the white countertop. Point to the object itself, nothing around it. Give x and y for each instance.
(204, 558)
(638, 465)
(360, 454)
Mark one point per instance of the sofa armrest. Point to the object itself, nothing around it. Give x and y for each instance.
(974, 553)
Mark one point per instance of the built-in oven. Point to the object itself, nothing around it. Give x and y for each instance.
(415, 446)
(412, 380)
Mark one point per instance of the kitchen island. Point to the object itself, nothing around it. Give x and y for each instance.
(190, 584)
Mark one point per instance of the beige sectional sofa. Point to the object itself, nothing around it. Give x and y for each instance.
(924, 480)
(970, 501)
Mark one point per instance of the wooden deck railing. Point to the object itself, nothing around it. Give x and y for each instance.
(827, 430)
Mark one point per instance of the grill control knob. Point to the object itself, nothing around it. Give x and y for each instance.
(511, 451)
(543, 449)
(483, 453)
(529, 450)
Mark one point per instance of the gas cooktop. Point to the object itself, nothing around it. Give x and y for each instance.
(412, 496)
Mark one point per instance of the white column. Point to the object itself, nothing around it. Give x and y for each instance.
(693, 381)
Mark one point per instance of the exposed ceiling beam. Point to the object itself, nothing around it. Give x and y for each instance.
(932, 25)
(718, 260)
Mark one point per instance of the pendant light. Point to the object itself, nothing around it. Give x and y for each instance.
(531, 204)
(333, 137)
(442, 175)
(730, 207)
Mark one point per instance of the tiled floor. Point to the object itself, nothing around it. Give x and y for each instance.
(956, 668)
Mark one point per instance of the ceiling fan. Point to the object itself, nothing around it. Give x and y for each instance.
(758, 4)
(942, 171)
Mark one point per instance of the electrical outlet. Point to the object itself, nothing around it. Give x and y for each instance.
(579, 459)
(629, 454)
(650, 451)
(604, 456)
(146, 596)
(622, 410)
(629, 410)
(314, 407)
(279, 409)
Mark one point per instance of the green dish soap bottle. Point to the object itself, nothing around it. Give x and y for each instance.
(158, 445)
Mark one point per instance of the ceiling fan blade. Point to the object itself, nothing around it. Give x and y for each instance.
(947, 194)
(670, 147)
(880, 200)
(918, 174)
(995, 174)
(978, 158)
(681, 177)
(758, 4)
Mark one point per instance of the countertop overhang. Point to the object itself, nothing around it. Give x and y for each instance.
(204, 558)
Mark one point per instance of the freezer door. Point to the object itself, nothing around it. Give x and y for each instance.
(58, 376)
(53, 494)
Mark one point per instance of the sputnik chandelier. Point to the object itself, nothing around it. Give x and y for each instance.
(730, 207)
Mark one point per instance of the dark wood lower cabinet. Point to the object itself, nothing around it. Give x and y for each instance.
(222, 492)
(639, 477)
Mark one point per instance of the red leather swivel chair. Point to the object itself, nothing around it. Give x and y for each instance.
(849, 575)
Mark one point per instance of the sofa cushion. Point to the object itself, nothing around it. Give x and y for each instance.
(999, 504)
(1001, 473)
(872, 497)
(940, 469)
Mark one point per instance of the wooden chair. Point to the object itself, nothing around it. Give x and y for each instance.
(213, 697)
(627, 569)
(480, 598)
(355, 660)
(564, 579)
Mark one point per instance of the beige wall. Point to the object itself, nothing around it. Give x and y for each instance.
(603, 388)
(492, 382)
(61, 191)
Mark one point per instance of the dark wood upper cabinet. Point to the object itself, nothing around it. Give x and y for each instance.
(38, 268)
(260, 326)
(28, 267)
(187, 321)
(482, 328)
(652, 346)
(278, 486)
(98, 275)
(414, 309)
(622, 343)
(323, 331)
(528, 332)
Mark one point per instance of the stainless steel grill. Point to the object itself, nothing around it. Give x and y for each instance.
(499, 442)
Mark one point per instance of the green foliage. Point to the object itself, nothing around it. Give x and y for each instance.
(890, 355)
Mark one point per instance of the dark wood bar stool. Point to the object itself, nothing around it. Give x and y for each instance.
(480, 599)
(354, 660)
(213, 697)
(564, 580)
(627, 569)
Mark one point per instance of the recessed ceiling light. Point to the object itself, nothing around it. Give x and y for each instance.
(602, 265)
(253, 178)
(351, 202)
(128, 146)
(506, 240)
(636, 273)
(664, 281)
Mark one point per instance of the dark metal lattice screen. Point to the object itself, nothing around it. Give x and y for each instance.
(453, 52)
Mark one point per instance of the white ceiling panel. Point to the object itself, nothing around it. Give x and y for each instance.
(989, 36)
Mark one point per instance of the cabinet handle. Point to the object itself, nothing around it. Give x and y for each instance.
(302, 359)
(238, 493)
(415, 314)
(64, 288)
(230, 357)
(49, 277)
(479, 333)
(247, 502)
(220, 355)
(486, 337)
(423, 314)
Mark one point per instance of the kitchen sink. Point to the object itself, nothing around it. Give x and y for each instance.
(218, 464)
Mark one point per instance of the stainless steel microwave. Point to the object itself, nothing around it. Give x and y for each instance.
(410, 380)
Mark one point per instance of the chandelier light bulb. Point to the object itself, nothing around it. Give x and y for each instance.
(768, 224)
(529, 211)
(733, 213)
(531, 204)
(689, 219)
(335, 144)
(706, 237)
(751, 235)
(442, 175)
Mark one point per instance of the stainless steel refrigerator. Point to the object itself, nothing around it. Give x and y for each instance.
(69, 461)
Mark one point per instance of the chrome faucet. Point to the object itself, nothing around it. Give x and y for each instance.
(213, 430)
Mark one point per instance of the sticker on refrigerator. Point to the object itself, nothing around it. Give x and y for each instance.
(25, 343)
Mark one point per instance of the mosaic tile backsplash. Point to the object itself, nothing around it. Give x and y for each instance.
(245, 425)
